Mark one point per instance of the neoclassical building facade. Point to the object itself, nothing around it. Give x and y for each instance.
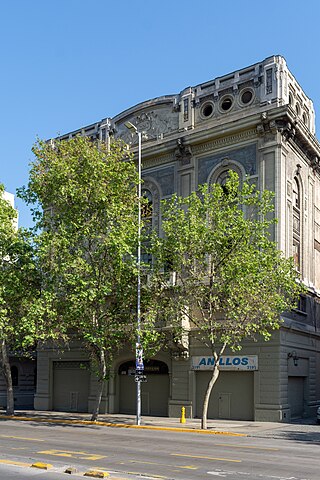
(259, 122)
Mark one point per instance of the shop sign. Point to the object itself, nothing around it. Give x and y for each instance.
(226, 362)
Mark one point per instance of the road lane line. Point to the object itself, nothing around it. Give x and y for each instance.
(247, 446)
(203, 457)
(149, 475)
(22, 438)
(18, 464)
(191, 467)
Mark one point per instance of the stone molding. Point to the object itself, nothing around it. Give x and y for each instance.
(225, 141)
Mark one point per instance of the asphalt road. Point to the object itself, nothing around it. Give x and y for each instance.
(133, 453)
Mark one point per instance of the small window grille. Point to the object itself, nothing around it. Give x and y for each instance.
(269, 81)
(296, 223)
(186, 109)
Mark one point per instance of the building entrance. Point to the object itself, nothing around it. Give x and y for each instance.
(231, 397)
(154, 392)
(71, 386)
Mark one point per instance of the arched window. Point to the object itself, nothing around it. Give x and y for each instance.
(296, 223)
(220, 174)
(223, 177)
(147, 208)
(15, 376)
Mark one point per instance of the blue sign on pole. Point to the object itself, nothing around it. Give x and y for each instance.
(139, 357)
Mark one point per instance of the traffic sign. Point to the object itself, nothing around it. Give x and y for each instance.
(139, 357)
(140, 378)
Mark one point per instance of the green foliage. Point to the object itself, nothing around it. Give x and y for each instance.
(19, 283)
(232, 282)
(85, 206)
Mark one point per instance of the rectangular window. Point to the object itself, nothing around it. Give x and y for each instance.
(296, 224)
(186, 109)
(302, 304)
(269, 81)
(296, 253)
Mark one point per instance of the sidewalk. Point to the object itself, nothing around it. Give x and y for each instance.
(303, 429)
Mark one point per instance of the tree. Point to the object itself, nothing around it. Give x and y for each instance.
(85, 204)
(19, 293)
(232, 282)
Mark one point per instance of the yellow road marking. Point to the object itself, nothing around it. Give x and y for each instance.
(247, 446)
(22, 438)
(42, 465)
(19, 464)
(206, 458)
(153, 475)
(66, 453)
(96, 474)
(191, 467)
(120, 425)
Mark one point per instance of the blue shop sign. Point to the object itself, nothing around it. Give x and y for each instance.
(226, 362)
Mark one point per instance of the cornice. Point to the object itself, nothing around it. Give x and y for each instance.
(225, 141)
(295, 134)
(152, 158)
(158, 160)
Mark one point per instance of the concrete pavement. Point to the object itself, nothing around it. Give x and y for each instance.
(299, 429)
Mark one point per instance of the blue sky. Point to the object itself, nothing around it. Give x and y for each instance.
(69, 63)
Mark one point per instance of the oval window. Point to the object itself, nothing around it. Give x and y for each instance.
(207, 110)
(246, 97)
(226, 104)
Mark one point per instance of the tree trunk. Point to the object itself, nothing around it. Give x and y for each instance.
(101, 380)
(212, 381)
(7, 376)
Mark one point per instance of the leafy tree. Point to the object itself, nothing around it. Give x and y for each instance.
(232, 282)
(85, 203)
(19, 293)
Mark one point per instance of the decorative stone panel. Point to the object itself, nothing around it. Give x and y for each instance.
(246, 156)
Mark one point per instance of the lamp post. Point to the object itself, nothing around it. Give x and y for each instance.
(139, 352)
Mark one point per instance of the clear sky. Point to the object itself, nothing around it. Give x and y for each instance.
(68, 63)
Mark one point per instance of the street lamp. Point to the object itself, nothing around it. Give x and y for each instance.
(139, 352)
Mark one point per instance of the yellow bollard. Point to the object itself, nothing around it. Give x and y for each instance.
(183, 415)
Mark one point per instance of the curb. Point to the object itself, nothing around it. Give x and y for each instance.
(96, 474)
(121, 425)
(41, 465)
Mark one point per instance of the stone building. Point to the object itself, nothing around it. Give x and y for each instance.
(258, 122)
